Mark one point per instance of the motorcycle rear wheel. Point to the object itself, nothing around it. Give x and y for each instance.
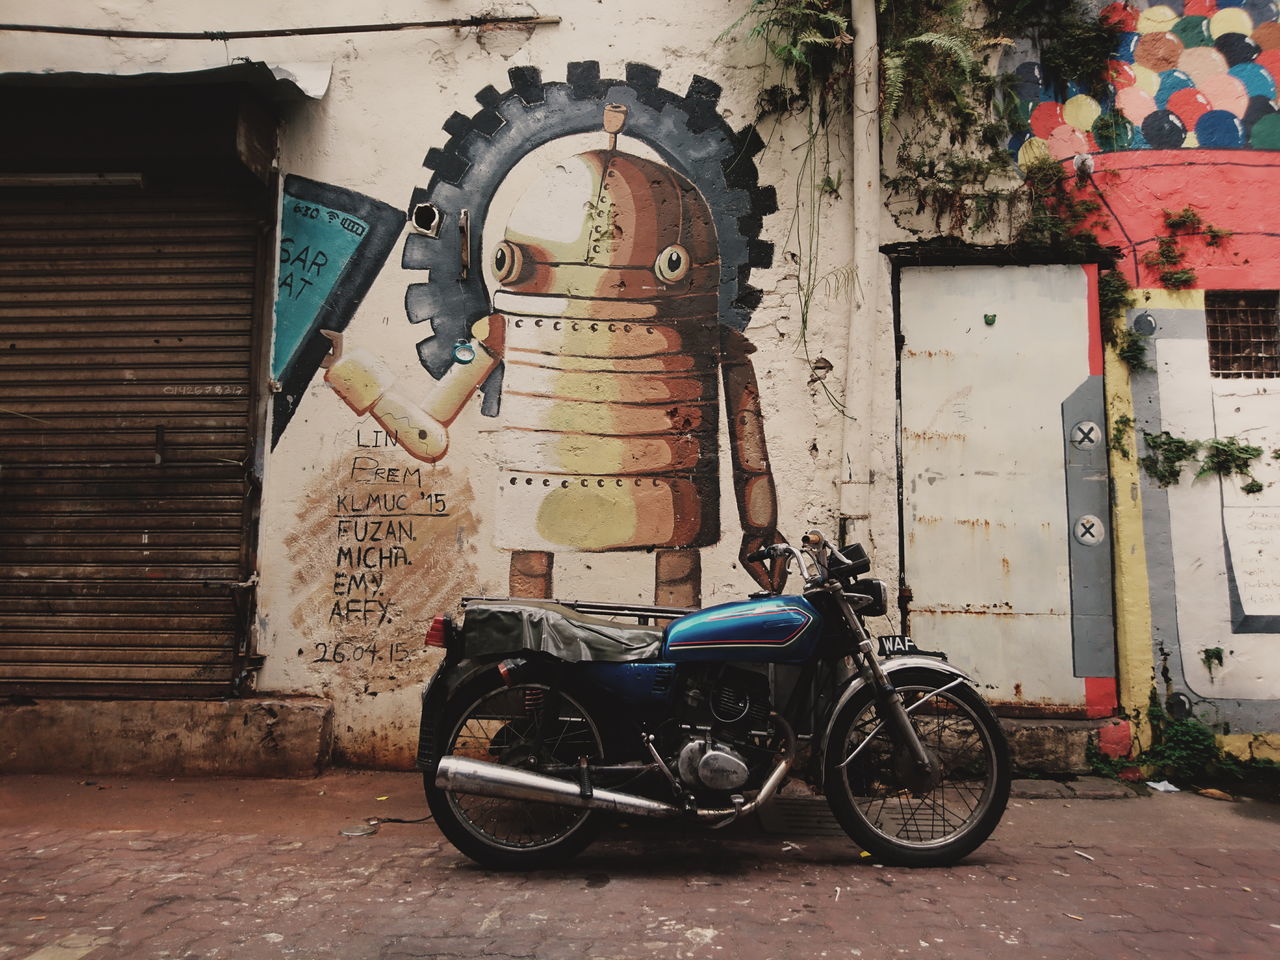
(535, 725)
(892, 812)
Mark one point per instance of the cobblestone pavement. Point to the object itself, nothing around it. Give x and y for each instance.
(257, 869)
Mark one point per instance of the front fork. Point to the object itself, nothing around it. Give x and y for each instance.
(893, 712)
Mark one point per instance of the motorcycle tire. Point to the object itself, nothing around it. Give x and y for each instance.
(880, 799)
(536, 724)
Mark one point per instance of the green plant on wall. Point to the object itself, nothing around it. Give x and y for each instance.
(1131, 347)
(953, 113)
(1165, 456)
(1223, 456)
(1210, 657)
(1121, 431)
(941, 95)
(1169, 253)
(1185, 749)
(1185, 219)
(1228, 457)
(1213, 237)
(950, 115)
(808, 73)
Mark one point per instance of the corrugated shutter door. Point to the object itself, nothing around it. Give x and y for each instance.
(126, 343)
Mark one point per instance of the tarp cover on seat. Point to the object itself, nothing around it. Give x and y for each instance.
(504, 626)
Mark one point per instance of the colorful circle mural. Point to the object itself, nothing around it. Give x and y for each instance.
(1185, 74)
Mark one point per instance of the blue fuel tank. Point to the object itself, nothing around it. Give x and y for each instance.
(772, 630)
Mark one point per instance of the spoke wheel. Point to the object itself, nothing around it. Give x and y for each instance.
(534, 726)
(894, 811)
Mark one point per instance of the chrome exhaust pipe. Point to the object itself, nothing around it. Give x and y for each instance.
(460, 775)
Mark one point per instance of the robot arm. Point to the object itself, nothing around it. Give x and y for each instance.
(365, 383)
(752, 477)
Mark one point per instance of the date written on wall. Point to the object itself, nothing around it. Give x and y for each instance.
(342, 651)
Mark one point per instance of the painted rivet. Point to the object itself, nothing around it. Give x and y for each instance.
(1086, 435)
(989, 319)
(1088, 530)
(1145, 324)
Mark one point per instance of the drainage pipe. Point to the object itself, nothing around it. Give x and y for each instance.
(859, 380)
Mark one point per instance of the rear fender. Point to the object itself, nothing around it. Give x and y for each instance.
(435, 695)
(890, 666)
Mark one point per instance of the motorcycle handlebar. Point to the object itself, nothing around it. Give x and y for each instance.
(756, 556)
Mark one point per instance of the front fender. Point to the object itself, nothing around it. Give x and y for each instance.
(890, 666)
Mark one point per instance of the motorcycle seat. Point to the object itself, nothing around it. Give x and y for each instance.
(493, 627)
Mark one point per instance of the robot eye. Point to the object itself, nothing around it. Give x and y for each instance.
(672, 263)
(507, 262)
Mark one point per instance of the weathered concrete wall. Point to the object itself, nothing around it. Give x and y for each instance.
(255, 737)
(663, 407)
(623, 454)
(1191, 125)
(664, 401)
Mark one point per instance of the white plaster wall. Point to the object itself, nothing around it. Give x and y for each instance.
(1206, 513)
(388, 97)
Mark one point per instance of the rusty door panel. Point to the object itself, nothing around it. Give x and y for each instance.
(105, 608)
(127, 343)
(142, 631)
(121, 677)
(990, 357)
(173, 594)
(127, 538)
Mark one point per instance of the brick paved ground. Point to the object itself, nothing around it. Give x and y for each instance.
(256, 869)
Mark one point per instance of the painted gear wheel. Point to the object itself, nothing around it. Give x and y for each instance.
(686, 131)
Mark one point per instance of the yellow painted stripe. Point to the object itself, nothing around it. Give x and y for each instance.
(1135, 662)
(1263, 746)
(1158, 298)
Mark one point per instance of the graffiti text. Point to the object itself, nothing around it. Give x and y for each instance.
(370, 470)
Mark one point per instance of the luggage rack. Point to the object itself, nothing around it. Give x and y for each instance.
(642, 613)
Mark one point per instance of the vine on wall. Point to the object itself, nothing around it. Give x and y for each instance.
(949, 113)
(1170, 252)
(955, 97)
(1225, 456)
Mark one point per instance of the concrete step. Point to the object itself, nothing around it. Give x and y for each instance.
(252, 737)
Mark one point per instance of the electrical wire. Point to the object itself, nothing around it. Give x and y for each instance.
(109, 32)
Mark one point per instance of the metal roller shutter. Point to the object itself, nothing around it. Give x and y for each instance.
(126, 442)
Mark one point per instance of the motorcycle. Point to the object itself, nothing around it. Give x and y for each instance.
(546, 715)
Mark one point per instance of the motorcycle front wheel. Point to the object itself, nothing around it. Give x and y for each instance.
(893, 811)
(534, 725)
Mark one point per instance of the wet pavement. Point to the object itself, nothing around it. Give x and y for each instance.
(123, 868)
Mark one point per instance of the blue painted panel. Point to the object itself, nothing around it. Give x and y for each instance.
(773, 630)
(333, 242)
(316, 244)
(634, 683)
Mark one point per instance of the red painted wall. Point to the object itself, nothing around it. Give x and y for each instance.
(1235, 190)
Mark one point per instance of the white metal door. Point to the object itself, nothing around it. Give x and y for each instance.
(1004, 502)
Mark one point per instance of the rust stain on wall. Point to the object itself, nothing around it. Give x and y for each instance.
(927, 436)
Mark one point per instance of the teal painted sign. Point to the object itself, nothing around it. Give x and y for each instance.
(333, 242)
(316, 244)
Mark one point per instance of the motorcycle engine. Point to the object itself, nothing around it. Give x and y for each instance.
(713, 765)
(727, 727)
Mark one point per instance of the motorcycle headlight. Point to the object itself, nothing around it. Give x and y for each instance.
(876, 593)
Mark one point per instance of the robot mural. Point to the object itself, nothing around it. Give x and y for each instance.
(600, 328)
